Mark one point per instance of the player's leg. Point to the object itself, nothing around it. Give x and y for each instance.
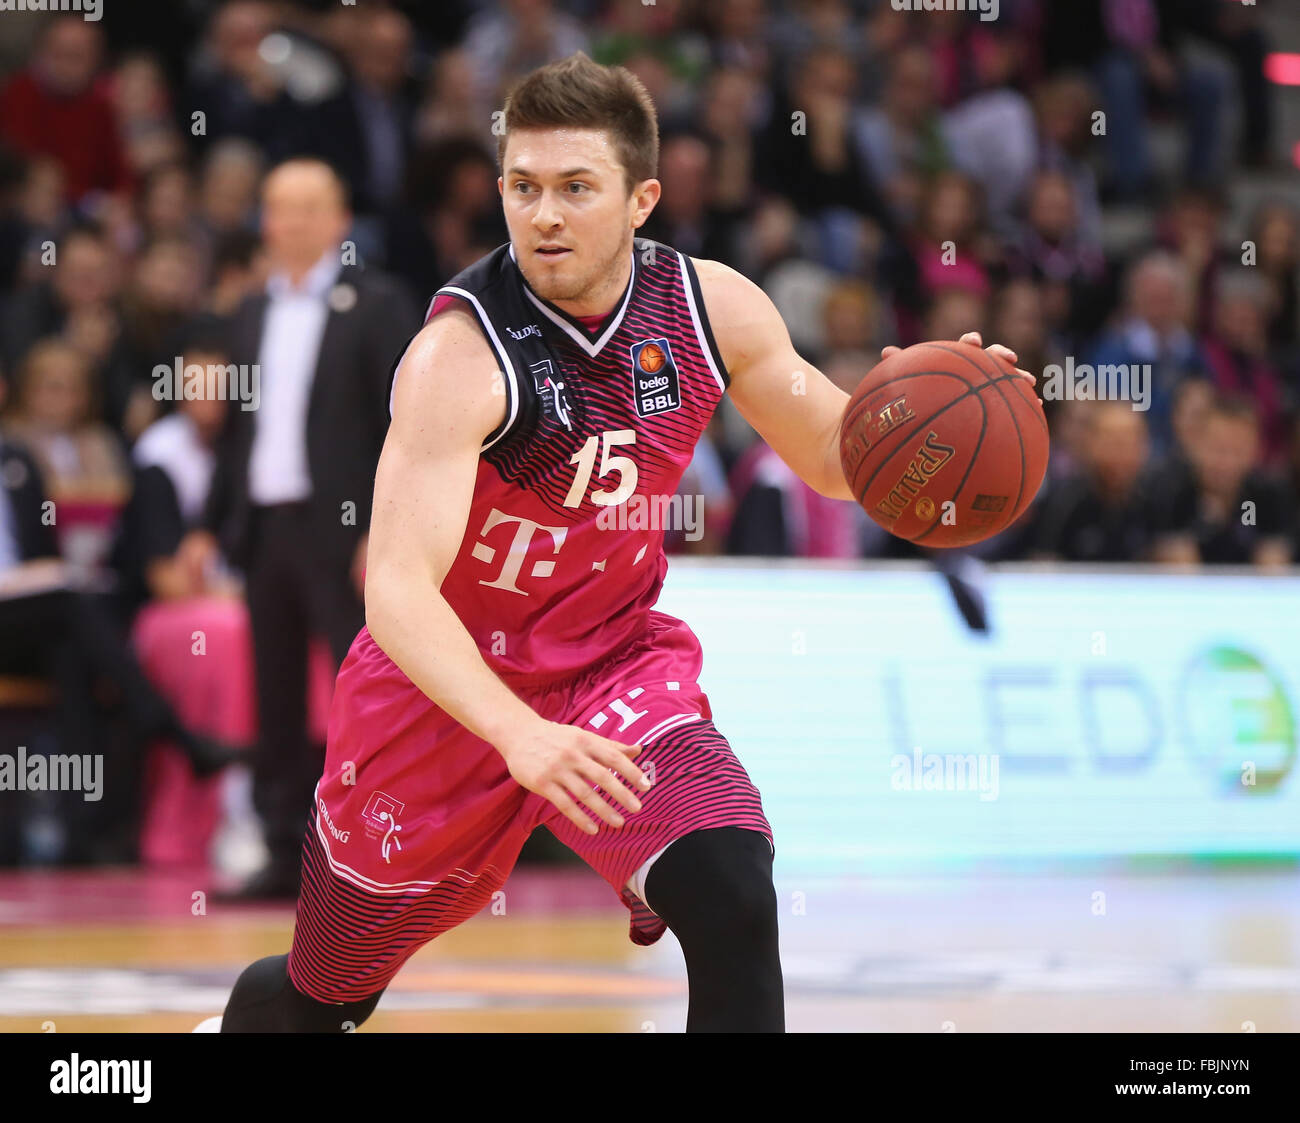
(716, 889)
(413, 827)
(266, 1001)
(713, 888)
(353, 934)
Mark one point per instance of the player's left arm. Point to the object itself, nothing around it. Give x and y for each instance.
(794, 407)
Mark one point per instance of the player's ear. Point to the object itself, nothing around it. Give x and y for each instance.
(501, 186)
(644, 198)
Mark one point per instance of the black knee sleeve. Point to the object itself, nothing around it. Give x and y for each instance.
(265, 1001)
(713, 888)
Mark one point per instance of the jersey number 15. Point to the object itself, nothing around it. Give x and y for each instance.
(585, 459)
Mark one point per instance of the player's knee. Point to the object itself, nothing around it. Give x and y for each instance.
(264, 1000)
(721, 878)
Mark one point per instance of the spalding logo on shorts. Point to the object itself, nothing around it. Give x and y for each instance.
(656, 387)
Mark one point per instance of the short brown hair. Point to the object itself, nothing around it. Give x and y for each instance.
(578, 93)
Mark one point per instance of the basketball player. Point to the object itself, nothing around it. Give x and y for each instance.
(513, 670)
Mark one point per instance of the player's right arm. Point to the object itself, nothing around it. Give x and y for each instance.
(447, 399)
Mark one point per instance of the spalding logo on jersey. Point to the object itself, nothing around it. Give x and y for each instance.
(656, 387)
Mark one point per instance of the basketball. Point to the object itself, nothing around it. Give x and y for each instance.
(943, 444)
(652, 358)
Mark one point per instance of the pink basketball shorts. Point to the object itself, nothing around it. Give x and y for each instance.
(417, 822)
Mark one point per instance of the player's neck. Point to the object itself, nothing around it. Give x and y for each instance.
(600, 301)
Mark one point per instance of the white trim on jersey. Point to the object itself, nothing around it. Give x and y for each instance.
(501, 354)
(699, 326)
(592, 349)
(667, 724)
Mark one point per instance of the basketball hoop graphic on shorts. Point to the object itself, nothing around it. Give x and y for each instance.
(381, 811)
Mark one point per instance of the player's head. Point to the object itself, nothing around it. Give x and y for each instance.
(578, 153)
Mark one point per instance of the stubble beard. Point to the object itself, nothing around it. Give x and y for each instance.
(581, 289)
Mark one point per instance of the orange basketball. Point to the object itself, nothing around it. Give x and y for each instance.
(943, 444)
(652, 358)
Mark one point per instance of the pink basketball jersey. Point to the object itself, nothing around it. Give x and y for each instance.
(562, 559)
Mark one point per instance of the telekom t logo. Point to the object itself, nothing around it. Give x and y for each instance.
(526, 530)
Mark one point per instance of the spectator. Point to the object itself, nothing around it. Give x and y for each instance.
(1222, 508)
(164, 292)
(703, 484)
(1190, 230)
(1153, 333)
(730, 115)
(990, 127)
(54, 417)
(1106, 512)
(231, 175)
(51, 629)
(76, 301)
(807, 152)
(1051, 250)
(453, 214)
(951, 247)
(1132, 48)
(653, 42)
(952, 313)
(166, 205)
(55, 108)
(233, 86)
(1018, 322)
(1064, 105)
(145, 119)
(523, 34)
(451, 100)
(173, 461)
(1275, 236)
(739, 36)
(902, 141)
(685, 217)
(363, 130)
(778, 515)
(1236, 352)
(238, 271)
(294, 479)
(1191, 406)
(849, 322)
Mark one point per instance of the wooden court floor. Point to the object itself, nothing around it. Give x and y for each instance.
(127, 950)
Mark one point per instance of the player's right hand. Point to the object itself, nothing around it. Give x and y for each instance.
(566, 765)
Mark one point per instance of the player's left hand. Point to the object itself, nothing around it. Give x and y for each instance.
(975, 340)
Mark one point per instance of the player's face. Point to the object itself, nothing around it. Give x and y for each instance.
(569, 213)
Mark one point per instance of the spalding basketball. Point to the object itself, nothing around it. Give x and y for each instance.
(652, 358)
(944, 444)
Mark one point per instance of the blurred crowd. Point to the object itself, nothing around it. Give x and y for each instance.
(886, 176)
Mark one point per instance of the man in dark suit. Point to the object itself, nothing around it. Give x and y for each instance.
(291, 496)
